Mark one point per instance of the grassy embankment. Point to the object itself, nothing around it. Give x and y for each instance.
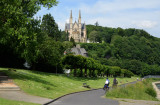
(51, 85)
(142, 90)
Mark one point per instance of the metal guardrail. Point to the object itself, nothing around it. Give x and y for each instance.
(152, 76)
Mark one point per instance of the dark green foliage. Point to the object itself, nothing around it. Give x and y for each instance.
(72, 40)
(150, 91)
(8, 58)
(115, 71)
(82, 64)
(131, 49)
(50, 27)
(23, 38)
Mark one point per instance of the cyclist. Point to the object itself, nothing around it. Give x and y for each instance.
(106, 83)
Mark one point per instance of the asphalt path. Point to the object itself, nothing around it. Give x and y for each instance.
(94, 97)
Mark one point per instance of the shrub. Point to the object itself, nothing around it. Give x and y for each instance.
(150, 91)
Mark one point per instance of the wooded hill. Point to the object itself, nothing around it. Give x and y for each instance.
(132, 49)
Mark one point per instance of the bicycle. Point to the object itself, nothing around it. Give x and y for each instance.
(106, 88)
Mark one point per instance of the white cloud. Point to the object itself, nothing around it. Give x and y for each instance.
(145, 24)
(67, 20)
(104, 6)
(143, 14)
(61, 25)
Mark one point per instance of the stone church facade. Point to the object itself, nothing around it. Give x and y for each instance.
(76, 30)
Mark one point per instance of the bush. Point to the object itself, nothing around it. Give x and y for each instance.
(150, 91)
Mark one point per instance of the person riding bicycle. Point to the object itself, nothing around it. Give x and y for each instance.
(107, 83)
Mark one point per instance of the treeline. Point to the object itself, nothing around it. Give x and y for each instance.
(104, 34)
(88, 67)
(130, 49)
(25, 39)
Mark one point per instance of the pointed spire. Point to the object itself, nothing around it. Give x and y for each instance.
(79, 19)
(70, 20)
(71, 14)
(79, 13)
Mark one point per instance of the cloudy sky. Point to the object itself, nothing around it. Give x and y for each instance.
(141, 14)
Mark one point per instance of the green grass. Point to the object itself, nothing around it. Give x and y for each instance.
(11, 102)
(51, 85)
(139, 91)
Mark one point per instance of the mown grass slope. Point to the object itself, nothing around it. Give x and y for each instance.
(11, 102)
(51, 85)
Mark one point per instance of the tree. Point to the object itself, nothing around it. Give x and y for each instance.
(16, 23)
(49, 57)
(72, 40)
(64, 36)
(15, 16)
(50, 27)
(96, 24)
(93, 36)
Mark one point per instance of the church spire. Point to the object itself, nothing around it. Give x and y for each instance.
(71, 14)
(79, 13)
(70, 20)
(79, 20)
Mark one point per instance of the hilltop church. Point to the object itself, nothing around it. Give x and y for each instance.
(76, 30)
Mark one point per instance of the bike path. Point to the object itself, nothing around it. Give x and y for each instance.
(94, 97)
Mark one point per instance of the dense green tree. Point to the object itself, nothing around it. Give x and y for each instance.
(50, 27)
(64, 36)
(72, 40)
(93, 36)
(18, 29)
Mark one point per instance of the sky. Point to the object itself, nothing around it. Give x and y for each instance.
(139, 14)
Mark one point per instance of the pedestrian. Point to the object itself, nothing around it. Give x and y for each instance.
(115, 82)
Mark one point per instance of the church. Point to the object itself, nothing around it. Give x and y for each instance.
(76, 30)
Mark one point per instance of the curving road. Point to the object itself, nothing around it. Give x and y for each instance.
(94, 97)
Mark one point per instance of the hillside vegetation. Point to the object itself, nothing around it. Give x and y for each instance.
(131, 49)
(139, 91)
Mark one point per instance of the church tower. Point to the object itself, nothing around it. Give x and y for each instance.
(76, 30)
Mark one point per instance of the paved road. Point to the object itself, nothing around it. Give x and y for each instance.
(94, 97)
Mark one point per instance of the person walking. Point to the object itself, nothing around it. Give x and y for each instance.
(115, 82)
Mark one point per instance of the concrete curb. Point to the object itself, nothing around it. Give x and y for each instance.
(156, 89)
(122, 85)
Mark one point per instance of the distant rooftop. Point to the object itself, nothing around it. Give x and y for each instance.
(79, 51)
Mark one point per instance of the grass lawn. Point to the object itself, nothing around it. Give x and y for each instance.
(142, 90)
(51, 85)
(11, 102)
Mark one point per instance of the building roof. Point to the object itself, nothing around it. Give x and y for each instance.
(67, 26)
(79, 51)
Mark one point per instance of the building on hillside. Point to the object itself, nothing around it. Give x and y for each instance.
(76, 30)
(77, 51)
